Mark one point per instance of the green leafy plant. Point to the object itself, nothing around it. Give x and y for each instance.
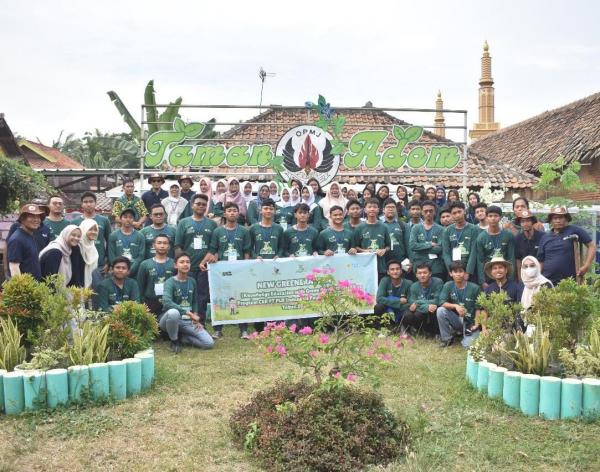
(89, 344)
(585, 361)
(11, 351)
(531, 356)
(131, 329)
(45, 359)
(31, 184)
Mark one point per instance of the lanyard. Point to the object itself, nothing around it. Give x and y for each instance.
(231, 240)
(460, 293)
(458, 234)
(428, 233)
(198, 225)
(126, 239)
(335, 234)
(426, 292)
(495, 238)
(187, 290)
(161, 268)
(266, 236)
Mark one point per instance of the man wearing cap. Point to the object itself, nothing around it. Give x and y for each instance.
(498, 270)
(492, 242)
(186, 182)
(527, 241)
(156, 194)
(556, 252)
(127, 242)
(23, 252)
(42, 234)
(129, 200)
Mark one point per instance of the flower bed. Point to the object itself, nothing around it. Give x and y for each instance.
(115, 380)
(544, 396)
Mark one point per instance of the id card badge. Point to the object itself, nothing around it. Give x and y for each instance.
(231, 253)
(198, 242)
(392, 242)
(283, 224)
(127, 254)
(340, 249)
(456, 253)
(433, 256)
(173, 219)
(159, 289)
(302, 253)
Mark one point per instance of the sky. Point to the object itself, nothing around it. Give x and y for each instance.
(60, 58)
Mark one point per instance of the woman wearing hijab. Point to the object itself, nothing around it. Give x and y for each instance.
(274, 191)
(418, 194)
(234, 195)
(284, 210)
(472, 199)
(89, 253)
(316, 215)
(295, 197)
(247, 192)
(62, 256)
(440, 196)
(334, 197)
(253, 213)
(220, 190)
(316, 188)
(533, 280)
(205, 185)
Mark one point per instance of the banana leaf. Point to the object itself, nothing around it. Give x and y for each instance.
(151, 113)
(166, 117)
(126, 115)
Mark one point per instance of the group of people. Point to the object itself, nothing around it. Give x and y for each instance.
(434, 252)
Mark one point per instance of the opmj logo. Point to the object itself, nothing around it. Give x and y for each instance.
(306, 151)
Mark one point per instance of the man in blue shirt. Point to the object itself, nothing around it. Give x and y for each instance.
(23, 252)
(527, 241)
(557, 249)
(156, 194)
(41, 235)
(498, 270)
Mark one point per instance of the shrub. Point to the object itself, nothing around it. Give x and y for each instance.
(11, 351)
(90, 344)
(585, 361)
(132, 329)
(531, 357)
(300, 427)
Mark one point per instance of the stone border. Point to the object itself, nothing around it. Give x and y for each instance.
(116, 380)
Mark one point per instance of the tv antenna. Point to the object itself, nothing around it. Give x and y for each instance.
(262, 75)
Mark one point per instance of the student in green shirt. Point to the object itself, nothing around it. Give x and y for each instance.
(494, 241)
(127, 242)
(458, 307)
(315, 217)
(445, 216)
(392, 293)
(373, 236)
(284, 210)
(300, 239)
(55, 220)
(158, 226)
(399, 232)
(336, 239)
(354, 211)
(181, 320)
(118, 288)
(480, 213)
(253, 211)
(131, 201)
(193, 236)
(426, 242)
(459, 241)
(153, 273)
(423, 302)
(229, 242)
(88, 207)
(266, 236)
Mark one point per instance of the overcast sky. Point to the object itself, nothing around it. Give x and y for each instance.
(59, 58)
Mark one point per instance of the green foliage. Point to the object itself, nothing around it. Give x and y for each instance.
(90, 344)
(585, 361)
(568, 312)
(337, 430)
(100, 150)
(497, 325)
(531, 357)
(31, 184)
(132, 329)
(46, 358)
(561, 178)
(11, 351)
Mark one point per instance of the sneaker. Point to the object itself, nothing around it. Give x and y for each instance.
(244, 335)
(217, 335)
(176, 347)
(447, 343)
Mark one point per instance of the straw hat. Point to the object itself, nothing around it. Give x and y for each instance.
(31, 209)
(185, 177)
(560, 211)
(155, 176)
(526, 214)
(497, 259)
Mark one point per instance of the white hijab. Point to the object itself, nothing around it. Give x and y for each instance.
(532, 284)
(89, 253)
(311, 197)
(329, 200)
(298, 199)
(62, 244)
(282, 203)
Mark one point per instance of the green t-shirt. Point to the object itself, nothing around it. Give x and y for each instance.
(488, 245)
(109, 294)
(462, 240)
(150, 232)
(56, 227)
(151, 275)
(284, 216)
(193, 237)
(389, 295)
(132, 246)
(425, 296)
(101, 243)
(372, 236)
(337, 241)
(422, 250)
(399, 240)
(253, 213)
(180, 295)
(266, 242)
(300, 243)
(466, 297)
(230, 244)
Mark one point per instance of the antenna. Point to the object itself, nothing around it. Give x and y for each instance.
(262, 75)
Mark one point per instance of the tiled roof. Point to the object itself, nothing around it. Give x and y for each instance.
(39, 156)
(279, 120)
(572, 131)
(8, 145)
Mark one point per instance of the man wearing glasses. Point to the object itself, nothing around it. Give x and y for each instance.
(156, 194)
(56, 219)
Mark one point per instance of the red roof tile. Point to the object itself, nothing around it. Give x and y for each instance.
(34, 155)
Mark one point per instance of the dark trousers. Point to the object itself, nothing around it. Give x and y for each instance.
(426, 322)
(203, 294)
(154, 306)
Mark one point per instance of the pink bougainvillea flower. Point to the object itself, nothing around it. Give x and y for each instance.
(280, 326)
(269, 349)
(301, 294)
(293, 328)
(323, 338)
(281, 350)
(313, 354)
(316, 270)
(310, 277)
(399, 344)
(369, 299)
(254, 335)
(370, 352)
(306, 330)
(337, 375)
(385, 356)
(277, 339)
(351, 377)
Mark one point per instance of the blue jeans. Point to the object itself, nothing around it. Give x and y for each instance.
(450, 323)
(184, 330)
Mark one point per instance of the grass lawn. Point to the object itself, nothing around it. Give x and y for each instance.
(182, 423)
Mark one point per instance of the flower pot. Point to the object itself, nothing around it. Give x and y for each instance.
(496, 381)
(511, 388)
(571, 398)
(57, 385)
(34, 389)
(79, 382)
(134, 376)
(591, 398)
(529, 395)
(99, 381)
(14, 399)
(550, 388)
